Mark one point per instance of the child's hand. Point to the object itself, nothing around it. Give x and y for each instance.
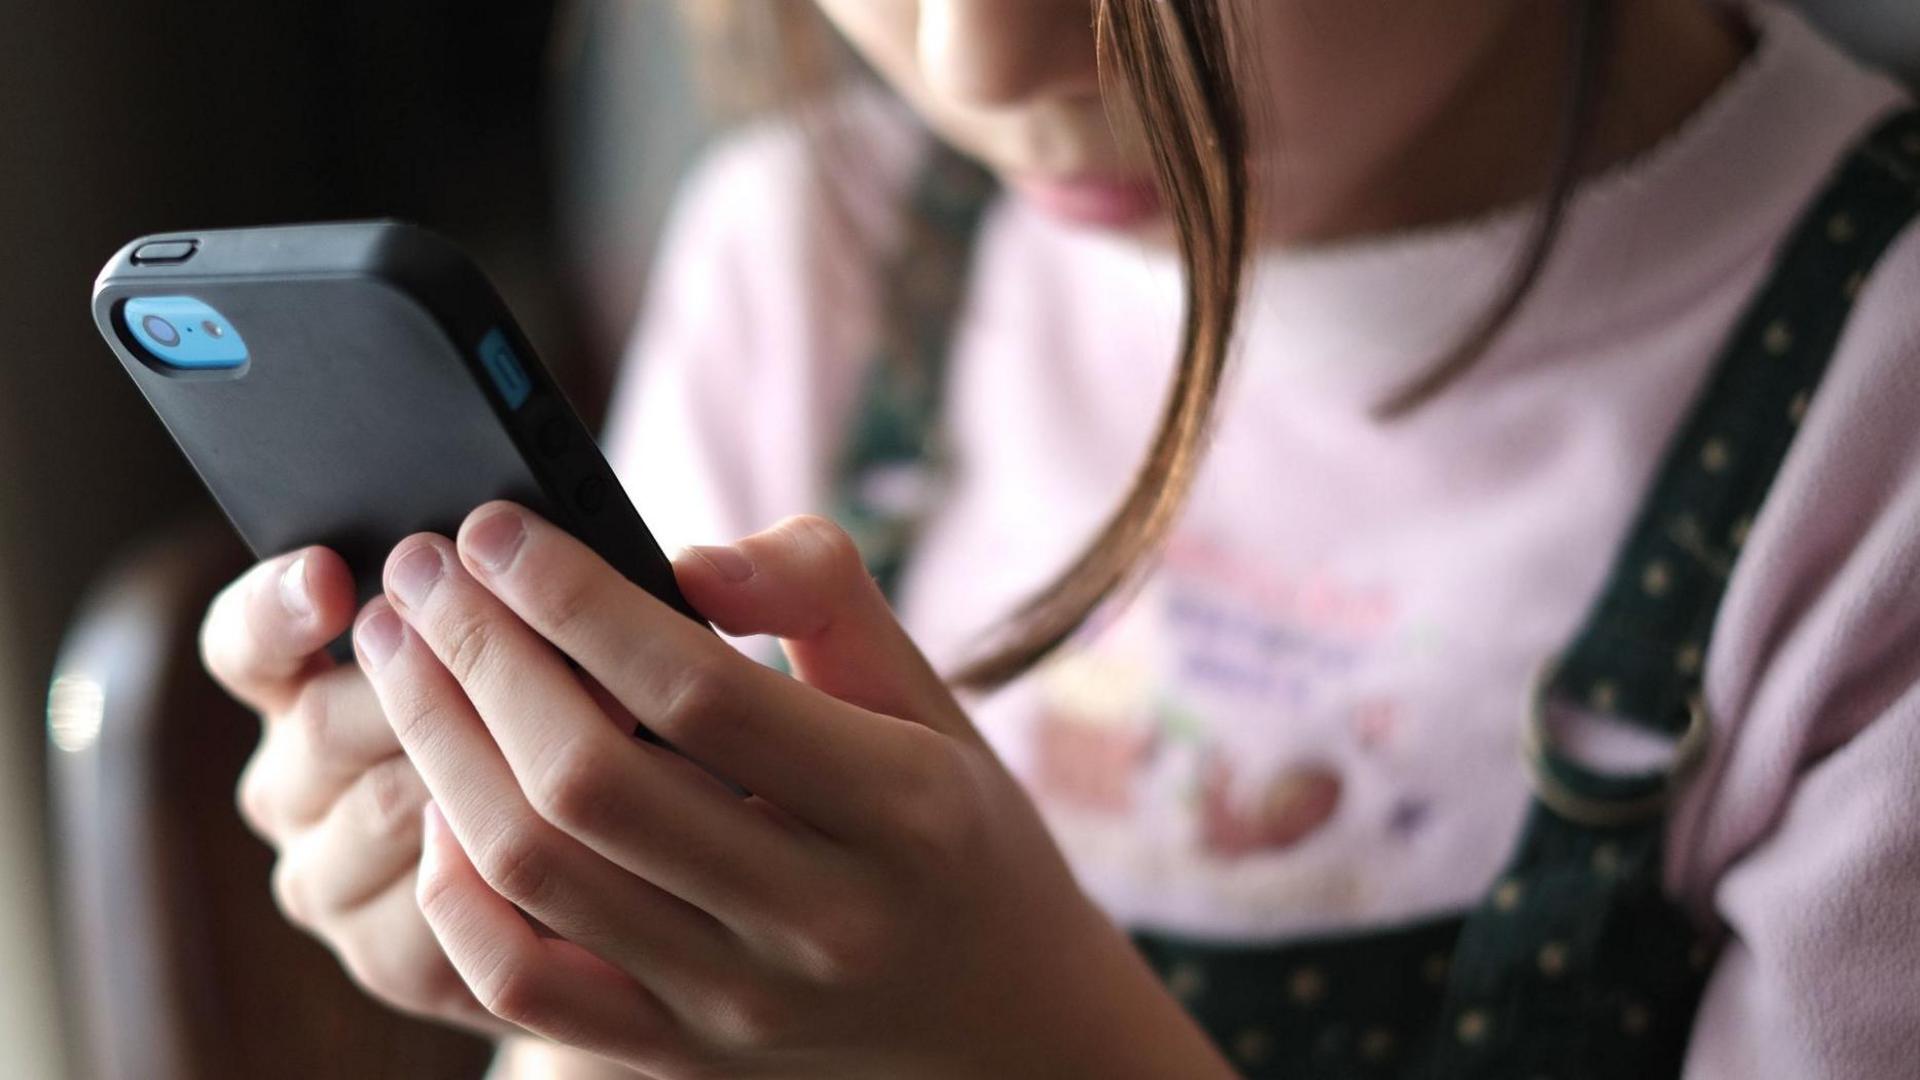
(886, 903)
(328, 786)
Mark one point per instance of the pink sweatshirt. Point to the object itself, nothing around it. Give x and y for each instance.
(1308, 718)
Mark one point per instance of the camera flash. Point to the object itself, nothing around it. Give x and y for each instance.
(212, 328)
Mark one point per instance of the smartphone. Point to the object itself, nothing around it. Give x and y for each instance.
(349, 384)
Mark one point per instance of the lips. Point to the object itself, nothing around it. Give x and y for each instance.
(1101, 201)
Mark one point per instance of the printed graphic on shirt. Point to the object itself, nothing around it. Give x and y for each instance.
(1218, 717)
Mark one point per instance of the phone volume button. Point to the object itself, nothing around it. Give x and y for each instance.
(591, 495)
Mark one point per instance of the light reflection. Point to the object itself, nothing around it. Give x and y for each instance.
(76, 705)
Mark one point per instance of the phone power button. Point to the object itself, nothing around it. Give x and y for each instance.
(164, 252)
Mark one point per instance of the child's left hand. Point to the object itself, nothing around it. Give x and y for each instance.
(886, 903)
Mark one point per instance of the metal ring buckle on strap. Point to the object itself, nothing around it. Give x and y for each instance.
(1657, 787)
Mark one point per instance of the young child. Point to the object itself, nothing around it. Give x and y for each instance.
(1507, 669)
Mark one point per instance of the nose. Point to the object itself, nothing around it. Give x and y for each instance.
(989, 53)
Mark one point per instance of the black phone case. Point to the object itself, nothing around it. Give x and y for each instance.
(364, 412)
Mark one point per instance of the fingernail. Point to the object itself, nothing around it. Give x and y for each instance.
(293, 590)
(414, 575)
(495, 539)
(730, 563)
(379, 635)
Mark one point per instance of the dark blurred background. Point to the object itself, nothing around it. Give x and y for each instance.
(543, 136)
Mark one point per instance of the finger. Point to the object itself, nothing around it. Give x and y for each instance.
(387, 947)
(803, 581)
(330, 733)
(266, 631)
(649, 810)
(835, 765)
(368, 839)
(549, 986)
(658, 938)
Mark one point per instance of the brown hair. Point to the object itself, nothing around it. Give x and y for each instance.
(1168, 65)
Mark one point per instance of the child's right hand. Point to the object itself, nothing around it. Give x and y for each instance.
(328, 787)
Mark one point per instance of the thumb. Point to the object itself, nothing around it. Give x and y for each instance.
(803, 581)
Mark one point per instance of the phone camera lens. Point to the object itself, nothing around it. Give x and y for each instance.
(160, 330)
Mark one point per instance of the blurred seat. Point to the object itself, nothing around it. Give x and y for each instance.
(178, 965)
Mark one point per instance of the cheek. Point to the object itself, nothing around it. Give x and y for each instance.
(884, 32)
